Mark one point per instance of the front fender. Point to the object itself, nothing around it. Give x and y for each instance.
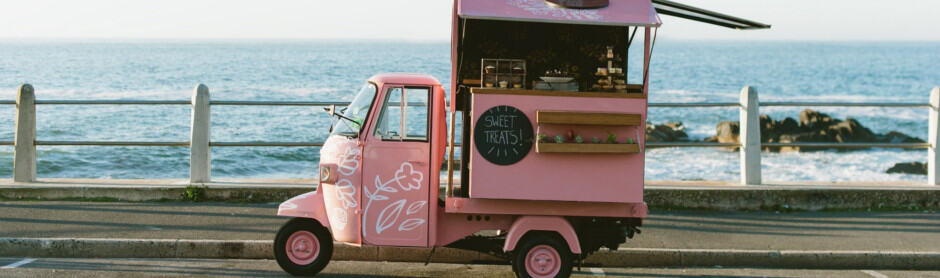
(307, 205)
(557, 224)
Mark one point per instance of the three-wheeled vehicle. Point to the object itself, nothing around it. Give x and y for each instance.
(552, 113)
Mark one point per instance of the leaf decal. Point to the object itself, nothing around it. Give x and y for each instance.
(349, 161)
(414, 207)
(410, 224)
(346, 193)
(389, 216)
(379, 197)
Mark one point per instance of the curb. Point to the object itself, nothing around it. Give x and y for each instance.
(623, 257)
(772, 198)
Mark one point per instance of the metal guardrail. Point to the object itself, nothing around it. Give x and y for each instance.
(113, 102)
(111, 143)
(850, 145)
(847, 104)
(689, 144)
(748, 109)
(693, 104)
(265, 144)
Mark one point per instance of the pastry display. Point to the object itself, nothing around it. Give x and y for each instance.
(504, 73)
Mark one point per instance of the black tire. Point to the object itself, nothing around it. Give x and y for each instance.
(324, 240)
(533, 240)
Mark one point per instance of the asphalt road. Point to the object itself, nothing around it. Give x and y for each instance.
(890, 231)
(103, 268)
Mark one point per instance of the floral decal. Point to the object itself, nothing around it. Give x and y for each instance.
(407, 179)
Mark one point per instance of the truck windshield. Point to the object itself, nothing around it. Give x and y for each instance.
(357, 110)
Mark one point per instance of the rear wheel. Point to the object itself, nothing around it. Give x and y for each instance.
(542, 255)
(303, 247)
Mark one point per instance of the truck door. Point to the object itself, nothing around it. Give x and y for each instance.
(396, 170)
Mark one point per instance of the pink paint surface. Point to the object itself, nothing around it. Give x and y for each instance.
(534, 207)
(563, 177)
(400, 177)
(619, 12)
(342, 198)
(524, 224)
(307, 205)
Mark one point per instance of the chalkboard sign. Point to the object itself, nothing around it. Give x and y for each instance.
(503, 135)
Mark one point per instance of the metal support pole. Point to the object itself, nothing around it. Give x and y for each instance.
(24, 152)
(749, 136)
(199, 136)
(933, 130)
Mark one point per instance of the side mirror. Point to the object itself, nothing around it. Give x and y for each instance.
(330, 109)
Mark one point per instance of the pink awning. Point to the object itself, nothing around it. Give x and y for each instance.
(619, 12)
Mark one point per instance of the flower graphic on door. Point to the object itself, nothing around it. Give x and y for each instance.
(407, 179)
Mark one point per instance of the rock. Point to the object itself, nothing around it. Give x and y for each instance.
(788, 125)
(728, 132)
(915, 168)
(812, 120)
(850, 131)
(668, 132)
(897, 137)
(813, 126)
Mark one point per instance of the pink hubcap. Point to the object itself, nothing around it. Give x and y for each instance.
(542, 261)
(302, 248)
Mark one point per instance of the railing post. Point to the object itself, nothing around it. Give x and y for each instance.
(199, 136)
(749, 136)
(24, 151)
(933, 130)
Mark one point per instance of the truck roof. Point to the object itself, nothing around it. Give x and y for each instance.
(405, 78)
(616, 13)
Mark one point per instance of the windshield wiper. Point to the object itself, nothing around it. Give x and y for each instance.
(332, 111)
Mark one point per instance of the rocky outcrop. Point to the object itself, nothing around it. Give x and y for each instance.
(915, 168)
(813, 126)
(668, 132)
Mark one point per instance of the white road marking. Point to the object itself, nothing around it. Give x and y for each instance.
(18, 264)
(596, 271)
(874, 274)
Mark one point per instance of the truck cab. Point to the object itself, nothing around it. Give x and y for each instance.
(380, 165)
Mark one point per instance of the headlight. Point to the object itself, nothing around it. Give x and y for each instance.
(324, 174)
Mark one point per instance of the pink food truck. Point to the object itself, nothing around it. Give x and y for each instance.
(551, 115)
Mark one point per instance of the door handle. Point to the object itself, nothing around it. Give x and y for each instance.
(419, 163)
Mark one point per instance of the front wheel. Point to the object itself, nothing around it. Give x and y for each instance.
(542, 255)
(303, 247)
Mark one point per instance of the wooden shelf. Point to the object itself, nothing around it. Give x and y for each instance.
(476, 82)
(498, 91)
(586, 148)
(587, 118)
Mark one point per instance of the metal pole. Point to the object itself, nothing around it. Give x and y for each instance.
(24, 152)
(199, 136)
(933, 133)
(749, 136)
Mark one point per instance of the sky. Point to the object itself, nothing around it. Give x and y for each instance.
(429, 20)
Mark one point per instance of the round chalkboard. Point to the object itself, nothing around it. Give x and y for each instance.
(503, 135)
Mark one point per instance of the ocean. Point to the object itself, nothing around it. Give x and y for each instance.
(681, 71)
